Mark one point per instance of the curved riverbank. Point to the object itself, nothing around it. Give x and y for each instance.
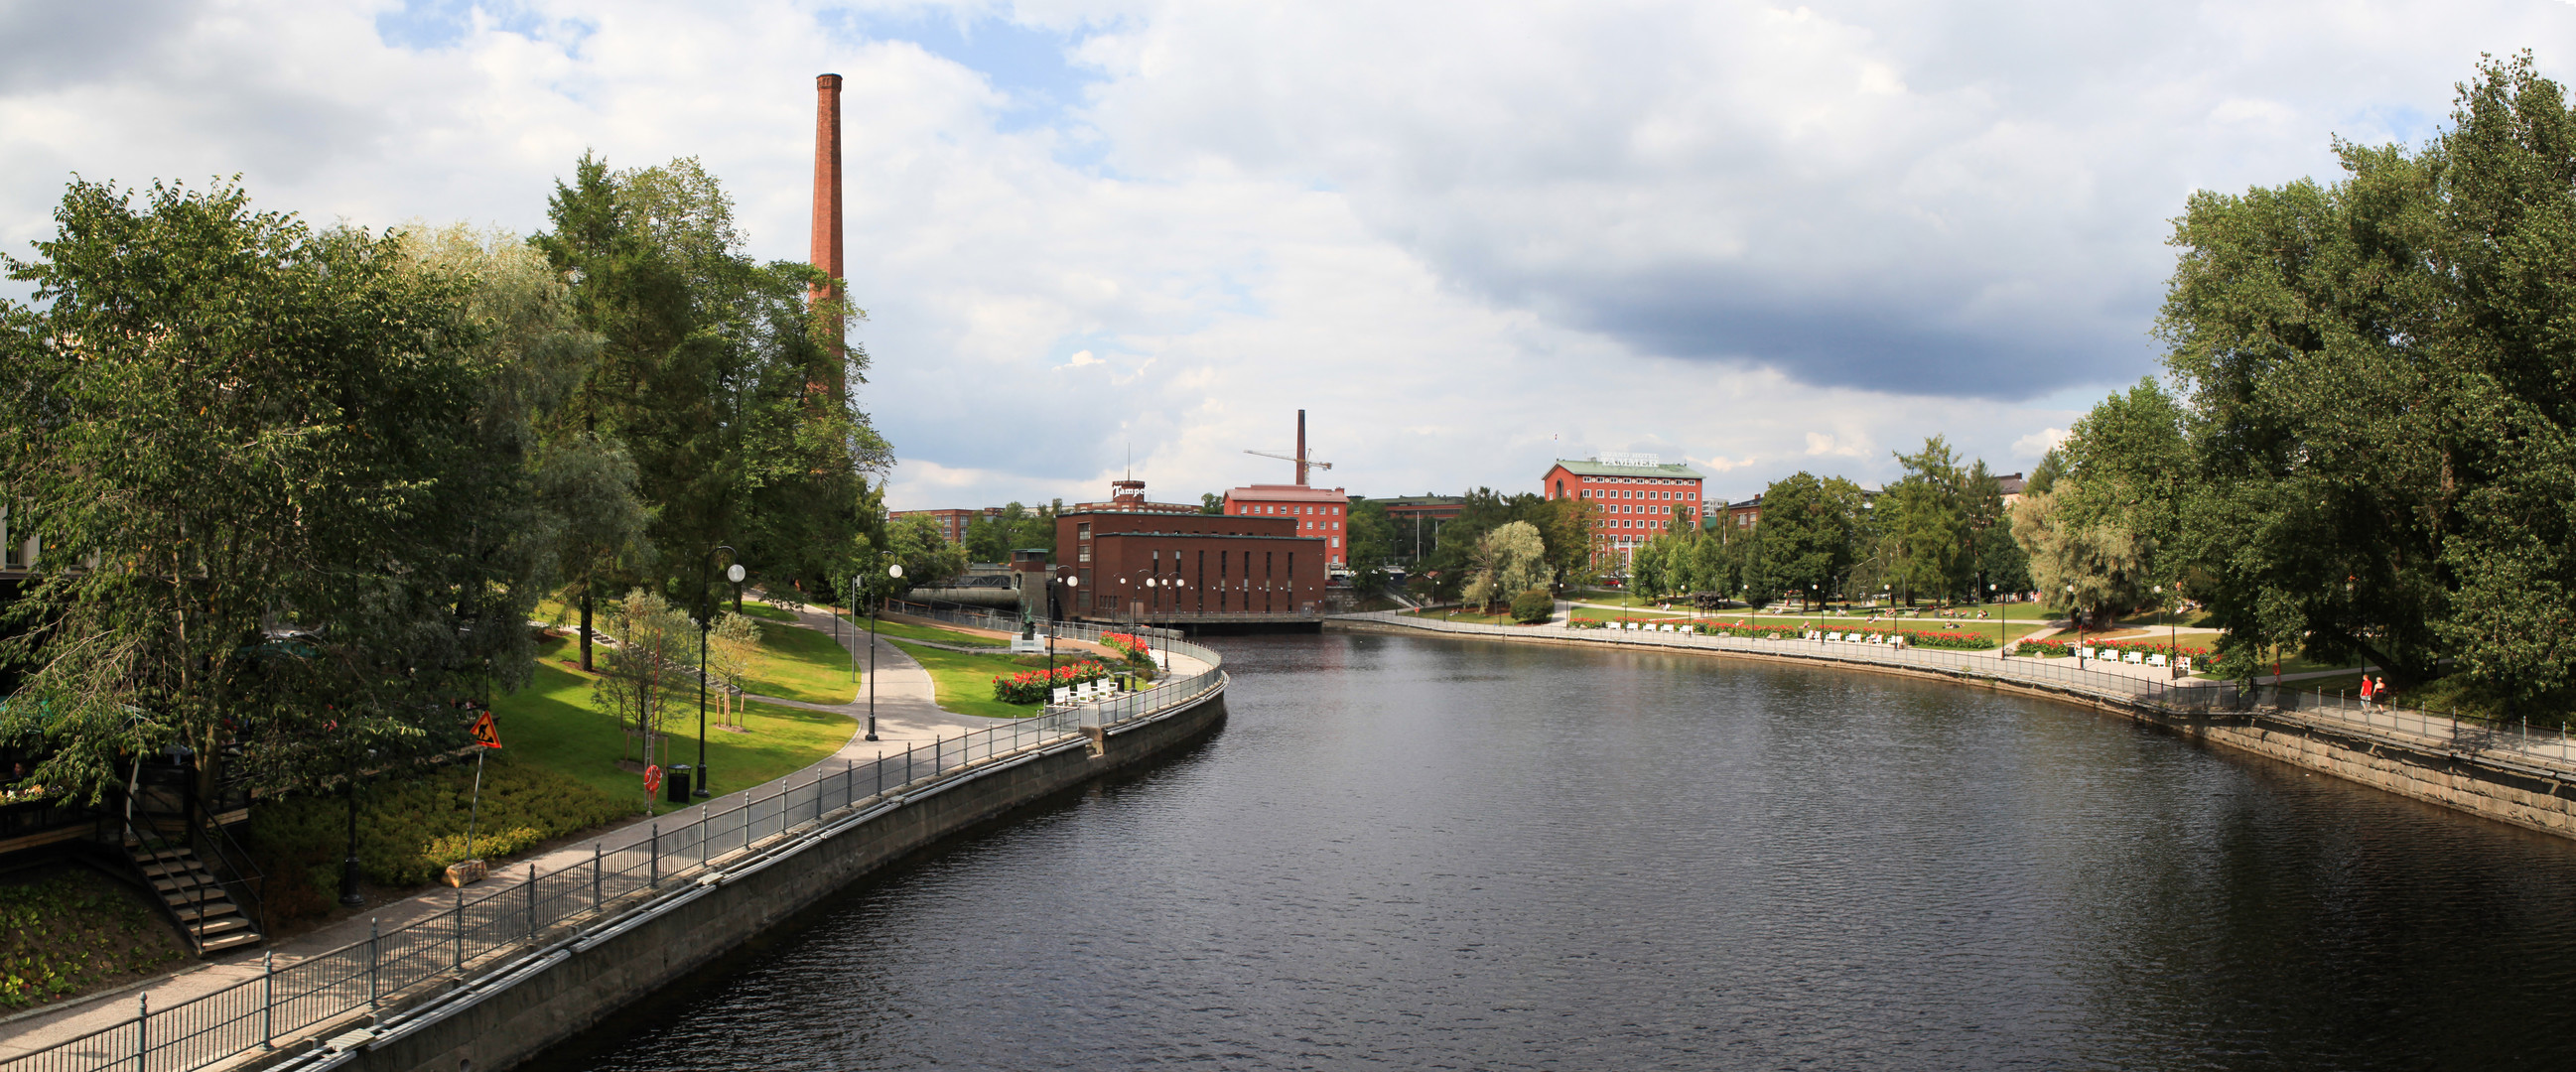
(2526, 781)
(555, 941)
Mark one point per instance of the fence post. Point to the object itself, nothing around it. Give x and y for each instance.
(597, 850)
(460, 930)
(702, 835)
(375, 962)
(654, 853)
(880, 769)
(268, 1000)
(532, 904)
(142, 1028)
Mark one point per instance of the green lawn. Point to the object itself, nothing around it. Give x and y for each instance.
(965, 682)
(803, 665)
(935, 634)
(551, 724)
(753, 608)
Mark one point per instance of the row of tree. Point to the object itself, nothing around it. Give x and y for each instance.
(1941, 533)
(303, 488)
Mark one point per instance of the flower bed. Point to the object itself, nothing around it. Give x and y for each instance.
(1586, 623)
(1748, 630)
(1030, 686)
(1139, 652)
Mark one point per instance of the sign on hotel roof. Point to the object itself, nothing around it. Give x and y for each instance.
(1637, 465)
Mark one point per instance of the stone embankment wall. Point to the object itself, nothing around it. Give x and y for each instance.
(2533, 795)
(508, 1020)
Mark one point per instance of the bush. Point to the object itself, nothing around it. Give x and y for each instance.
(1586, 623)
(2201, 658)
(411, 825)
(1533, 606)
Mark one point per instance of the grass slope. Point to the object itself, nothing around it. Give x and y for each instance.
(551, 723)
(935, 634)
(803, 665)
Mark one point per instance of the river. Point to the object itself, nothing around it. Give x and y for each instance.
(1407, 853)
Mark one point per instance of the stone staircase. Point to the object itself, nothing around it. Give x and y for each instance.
(206, 913)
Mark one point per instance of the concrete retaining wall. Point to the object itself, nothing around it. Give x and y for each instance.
(509, 1020)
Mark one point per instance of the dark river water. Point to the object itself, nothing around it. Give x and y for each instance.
(1422, 853)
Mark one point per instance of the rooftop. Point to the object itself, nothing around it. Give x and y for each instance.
(1287, 493)
(1635, 466)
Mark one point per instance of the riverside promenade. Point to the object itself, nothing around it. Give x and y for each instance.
(91, 1032)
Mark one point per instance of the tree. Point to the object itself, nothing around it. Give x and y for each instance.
(275, 451)
(1810, 528)
(1211, 503)
(726, 388)
(1930, 535)
(1372, 544)
(1509, 560)
(2104, 563)
(653, 671)
(925, 553)
(734, 654)
(2381, 420)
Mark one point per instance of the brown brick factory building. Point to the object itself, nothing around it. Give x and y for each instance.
(1130, 560)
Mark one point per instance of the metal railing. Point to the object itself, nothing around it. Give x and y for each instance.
(2514, 742)
(475, 937)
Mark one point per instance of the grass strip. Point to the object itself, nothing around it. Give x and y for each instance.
(965, 682)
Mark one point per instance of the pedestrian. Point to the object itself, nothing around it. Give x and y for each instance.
(2365, 692)
(2384, 695)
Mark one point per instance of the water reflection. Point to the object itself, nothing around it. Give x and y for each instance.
(1420, 853)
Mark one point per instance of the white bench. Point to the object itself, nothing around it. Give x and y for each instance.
(2156, 659)
(2132, 658)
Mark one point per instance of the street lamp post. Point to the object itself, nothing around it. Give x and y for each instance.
(2003, 621)
(706, 618)
(2077, 613)
(894, 572)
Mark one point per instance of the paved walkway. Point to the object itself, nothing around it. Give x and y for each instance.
(907, 714)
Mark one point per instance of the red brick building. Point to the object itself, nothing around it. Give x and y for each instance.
(952, 523)
(1638, 495)
(1178, 568)
(1323, 513)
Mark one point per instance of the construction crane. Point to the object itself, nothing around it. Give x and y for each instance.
(1303, 462)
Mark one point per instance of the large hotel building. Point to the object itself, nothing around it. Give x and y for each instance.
(1638, 495)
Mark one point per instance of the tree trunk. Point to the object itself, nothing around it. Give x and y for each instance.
(585, 628)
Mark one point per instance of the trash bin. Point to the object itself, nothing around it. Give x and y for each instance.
(676, 787)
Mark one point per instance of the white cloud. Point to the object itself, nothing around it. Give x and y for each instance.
(2038, 443)
(1465, 238)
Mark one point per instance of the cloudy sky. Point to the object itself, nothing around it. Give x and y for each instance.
(1467, 238)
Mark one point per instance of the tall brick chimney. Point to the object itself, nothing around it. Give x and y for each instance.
(827, 198)
(1301, 448)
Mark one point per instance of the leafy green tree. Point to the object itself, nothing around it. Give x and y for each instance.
(1810, 530)
(264, 449)
(925, 553)
(1509, 560)
(1372, 545)
(652, 675)
(1211, 503)
(1929, 534)
(716, 376)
